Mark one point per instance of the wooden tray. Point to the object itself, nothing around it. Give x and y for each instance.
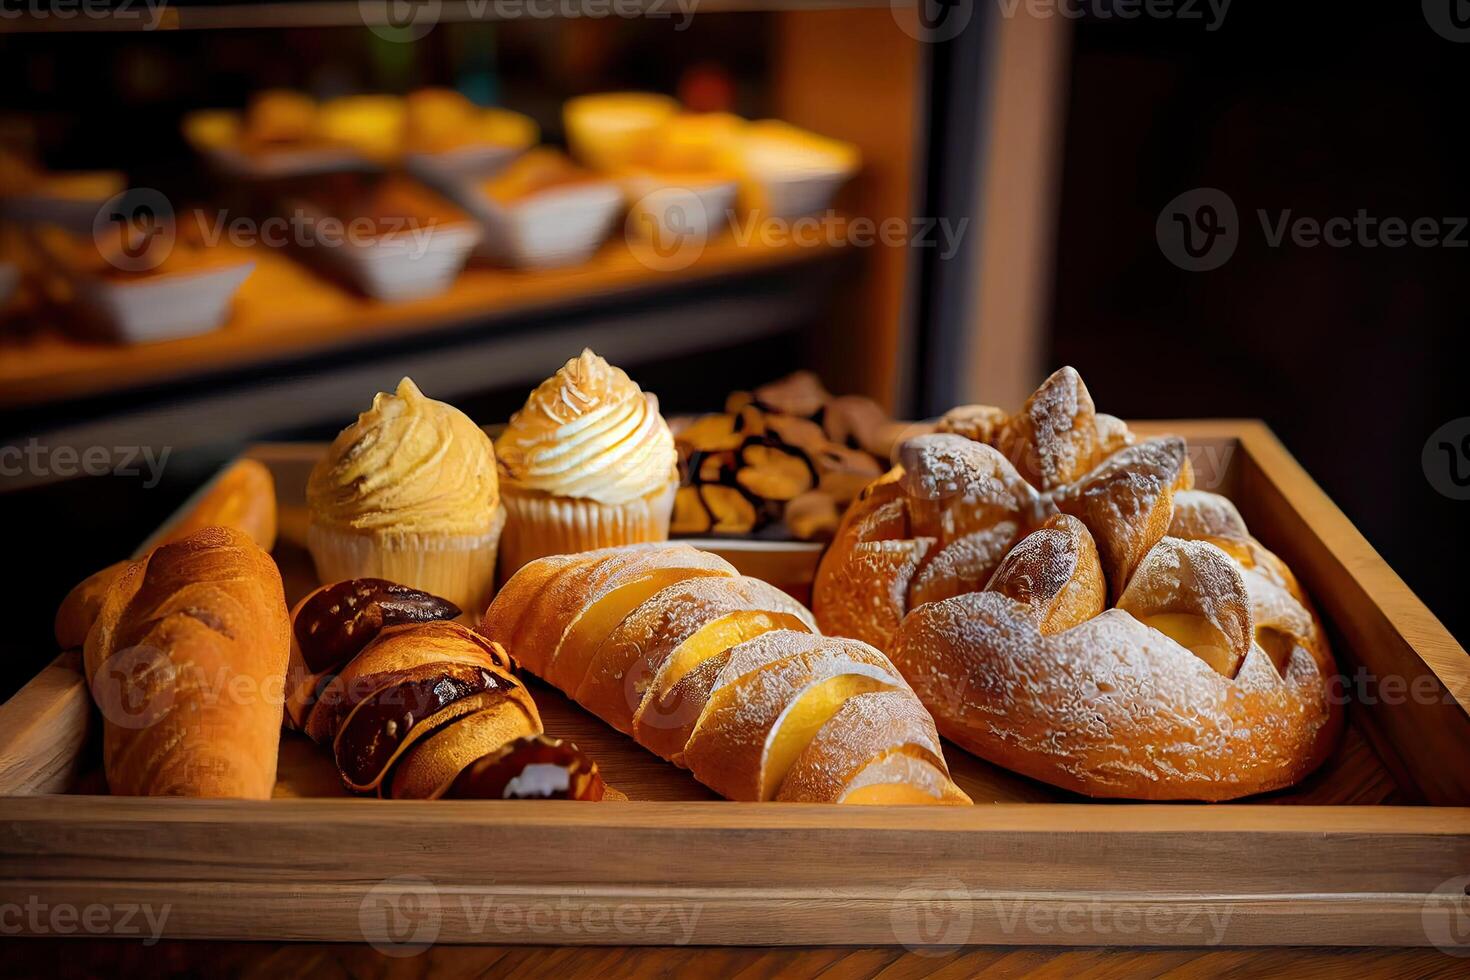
(1372, 850)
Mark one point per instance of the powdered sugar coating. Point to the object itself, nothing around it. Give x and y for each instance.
(1194, 578)
(761, 681)
(1111, 707)
(1127, 502)
(963, 565)
(1053, 439)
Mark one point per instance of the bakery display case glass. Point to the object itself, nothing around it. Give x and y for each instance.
(818, 464)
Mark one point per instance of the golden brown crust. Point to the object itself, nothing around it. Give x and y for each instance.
(1211, 678)
(934, 527)
(1128, 501)
(720, 674)
(186, 660)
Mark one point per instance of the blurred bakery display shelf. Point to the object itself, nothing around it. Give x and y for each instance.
(53, 16)
(286, 311)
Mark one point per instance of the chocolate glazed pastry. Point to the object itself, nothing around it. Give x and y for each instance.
(333, 624)
(406, 700)
(534, 768)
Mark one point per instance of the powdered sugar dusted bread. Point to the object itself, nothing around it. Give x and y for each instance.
(987, 573)
(721, 674)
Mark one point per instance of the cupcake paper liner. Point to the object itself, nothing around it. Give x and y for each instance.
(541, 524)
(457, 567)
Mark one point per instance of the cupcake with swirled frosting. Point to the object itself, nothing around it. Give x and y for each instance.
(587, 463)
(409, 493)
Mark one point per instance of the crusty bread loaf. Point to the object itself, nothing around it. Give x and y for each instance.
(1210, 677)
(186, 660)
(722, 675)
(242, 497)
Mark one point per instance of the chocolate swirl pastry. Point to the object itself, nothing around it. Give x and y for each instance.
(408, 700)
(533, 768)
(333, 624)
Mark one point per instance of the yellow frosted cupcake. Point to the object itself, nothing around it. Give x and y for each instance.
(587, 463)
(409, 493)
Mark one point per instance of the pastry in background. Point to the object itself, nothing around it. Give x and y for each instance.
(607, 130)
(370, 124)
(441, 120)
(409, 493)
(277, 116)
(185, 661)
(587, 463)
(788, 172)
(788, 451)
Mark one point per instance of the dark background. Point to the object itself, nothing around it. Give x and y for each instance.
(1354, 355)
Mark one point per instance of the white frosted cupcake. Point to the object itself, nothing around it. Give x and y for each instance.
(587, 463)
(409, 493)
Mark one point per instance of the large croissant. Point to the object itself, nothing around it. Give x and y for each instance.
(723, 675)
(186, 660)
(1208, 680)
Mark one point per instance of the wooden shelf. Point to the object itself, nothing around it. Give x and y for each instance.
(186, 15)
(285, 310)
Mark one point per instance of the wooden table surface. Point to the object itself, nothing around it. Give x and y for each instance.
(110, 959)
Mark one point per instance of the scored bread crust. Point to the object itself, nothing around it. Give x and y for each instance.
(630, 661)
(197, 633)
(1210, 679)
(725, 716)
(543, 600)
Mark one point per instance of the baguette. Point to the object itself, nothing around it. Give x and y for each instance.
(186, 660)
(243, 497)
(722, 675)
